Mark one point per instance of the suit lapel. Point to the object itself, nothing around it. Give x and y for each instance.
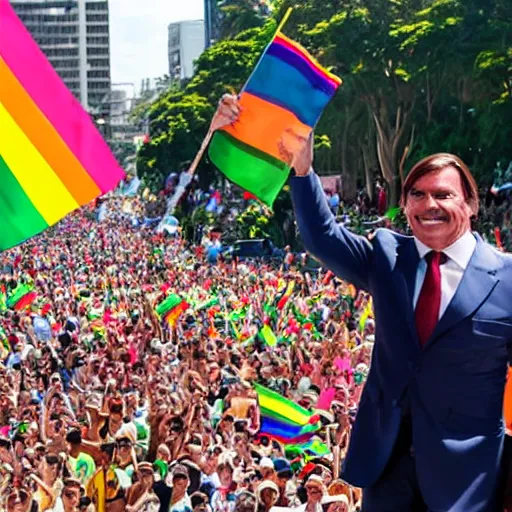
(406, 269)
(478, 281)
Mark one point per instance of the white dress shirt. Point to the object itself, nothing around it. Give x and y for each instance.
(458, 254)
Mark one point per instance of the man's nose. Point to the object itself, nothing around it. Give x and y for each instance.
(430, 201)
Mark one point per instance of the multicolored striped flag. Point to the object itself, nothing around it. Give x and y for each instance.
(287, 91)
(21, 297)
(284, 420)
(171, 308)
(52, 158)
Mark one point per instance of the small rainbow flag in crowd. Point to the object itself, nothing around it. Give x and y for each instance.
(287, 91)
(171, 308)
(52, 158)
(21, 297)
(284, 420)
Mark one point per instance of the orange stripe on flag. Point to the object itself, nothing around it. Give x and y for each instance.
(262, 125)
(44, 137)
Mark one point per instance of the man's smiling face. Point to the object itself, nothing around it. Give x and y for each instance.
(437, 210)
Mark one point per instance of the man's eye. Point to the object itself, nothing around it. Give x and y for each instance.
(416, 193)
(444, 195)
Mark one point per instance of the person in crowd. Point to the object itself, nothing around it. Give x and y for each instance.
(267, 494)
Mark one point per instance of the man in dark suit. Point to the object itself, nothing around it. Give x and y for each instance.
(429, 432)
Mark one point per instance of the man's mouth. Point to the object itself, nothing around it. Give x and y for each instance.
(432, 220)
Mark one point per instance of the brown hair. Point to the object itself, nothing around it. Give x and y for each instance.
(436, 163)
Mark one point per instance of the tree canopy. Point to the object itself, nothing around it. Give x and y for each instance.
(420, 76)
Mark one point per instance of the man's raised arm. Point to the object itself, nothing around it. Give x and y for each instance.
(346, 254)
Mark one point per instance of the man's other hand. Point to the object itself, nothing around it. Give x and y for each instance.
(297, 151)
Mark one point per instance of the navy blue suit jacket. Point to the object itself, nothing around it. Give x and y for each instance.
(453, 387)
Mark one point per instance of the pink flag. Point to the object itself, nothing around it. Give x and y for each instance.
(342, 364)
(325, 399)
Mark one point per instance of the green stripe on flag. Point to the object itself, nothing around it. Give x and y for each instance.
(251, 169)
(20, 218)
(18, 293)
(168, 304)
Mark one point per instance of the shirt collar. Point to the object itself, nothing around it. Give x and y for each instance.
(460, 251)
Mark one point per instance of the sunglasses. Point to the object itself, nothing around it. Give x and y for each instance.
(52, 459)
(21, 496)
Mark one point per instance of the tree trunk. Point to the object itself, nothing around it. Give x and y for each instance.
(349, 181)
(388, 142)
(368, 175)
(430, 100)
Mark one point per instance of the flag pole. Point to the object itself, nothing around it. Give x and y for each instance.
(279, 28)
(200, 153)
(287, 14)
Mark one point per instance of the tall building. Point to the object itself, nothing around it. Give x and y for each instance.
(74, 35)
(186, 43)
(211, 22)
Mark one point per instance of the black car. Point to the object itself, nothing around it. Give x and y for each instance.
(261, 248)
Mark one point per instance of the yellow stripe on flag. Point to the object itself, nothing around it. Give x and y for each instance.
(46, 191)
(275, 404)
(33, 123)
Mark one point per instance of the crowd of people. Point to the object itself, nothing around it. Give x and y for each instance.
(108, 406)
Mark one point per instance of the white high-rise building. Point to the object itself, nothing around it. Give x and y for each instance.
(74, 35)
(186, 43)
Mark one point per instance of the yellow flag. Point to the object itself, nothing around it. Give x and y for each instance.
(96, 490)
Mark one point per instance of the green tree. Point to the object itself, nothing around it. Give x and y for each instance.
(237, 16)
(420, 76)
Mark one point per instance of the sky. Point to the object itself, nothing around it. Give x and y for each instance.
(138, 36)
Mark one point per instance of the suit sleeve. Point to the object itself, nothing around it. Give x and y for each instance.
(344, 253)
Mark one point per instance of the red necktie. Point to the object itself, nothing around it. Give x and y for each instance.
(427, 308)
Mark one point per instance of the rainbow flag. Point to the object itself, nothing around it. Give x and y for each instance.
(284, 420)
(21, 297)
(52, 158)
(171, 308)
(313, 448)
(288, 90)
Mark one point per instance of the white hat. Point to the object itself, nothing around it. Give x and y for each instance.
(266, 462)
(333, 499)
(267, 484)
(315, 481)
